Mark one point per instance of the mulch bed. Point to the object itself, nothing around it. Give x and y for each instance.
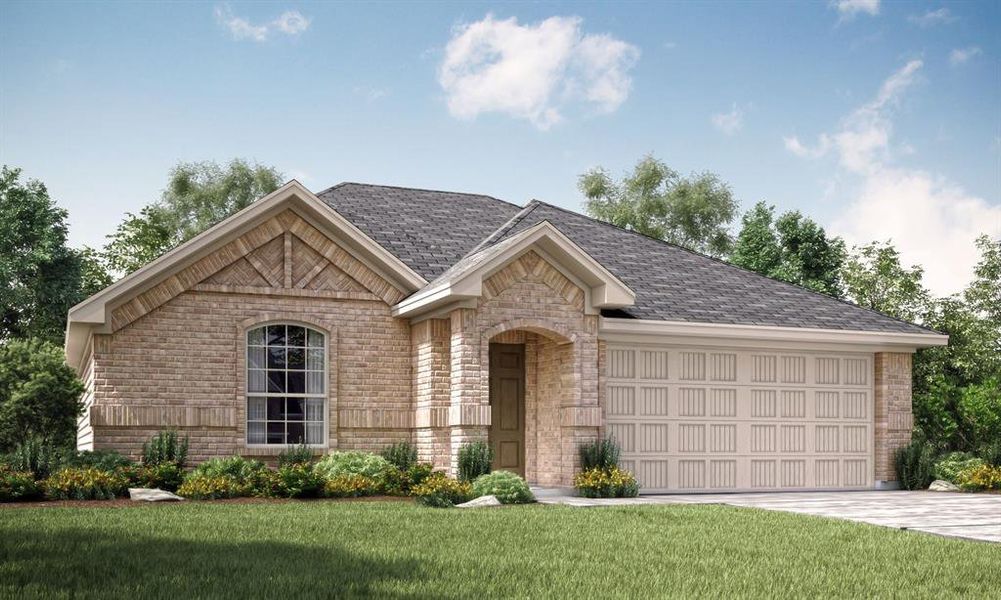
(127, 503)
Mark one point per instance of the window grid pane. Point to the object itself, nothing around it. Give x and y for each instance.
(288, 402)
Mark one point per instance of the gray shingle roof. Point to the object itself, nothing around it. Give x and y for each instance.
(431, 231)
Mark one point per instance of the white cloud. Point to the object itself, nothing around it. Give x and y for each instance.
(290, 22)
(848, 9)
(961, 56)
(931, 220)
(730, 122)
(932, 17)
(534, 72)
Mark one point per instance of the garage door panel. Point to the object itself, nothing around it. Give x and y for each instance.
(703, 420)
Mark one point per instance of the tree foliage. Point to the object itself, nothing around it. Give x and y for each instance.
(39, 273)
(39, 394)
(791, 248)
(693, 212)
(874, 278)
(198, 195)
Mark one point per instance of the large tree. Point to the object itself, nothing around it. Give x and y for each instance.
(39, 273)
(198, 195)
(874, 278)
(693, 212)
(792, 248)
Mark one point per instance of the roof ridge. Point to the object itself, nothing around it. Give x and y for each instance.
(737, 267)
(417, 189)
(510, 224)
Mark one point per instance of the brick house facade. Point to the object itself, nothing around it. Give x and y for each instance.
(402, 352)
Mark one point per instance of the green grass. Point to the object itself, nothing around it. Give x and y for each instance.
(398, 549)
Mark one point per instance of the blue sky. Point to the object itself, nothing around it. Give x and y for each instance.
(879, 120)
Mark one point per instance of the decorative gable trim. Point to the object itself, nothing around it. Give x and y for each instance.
(314, 222)
(465, 281)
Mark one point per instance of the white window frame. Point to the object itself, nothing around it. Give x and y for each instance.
(324, 395)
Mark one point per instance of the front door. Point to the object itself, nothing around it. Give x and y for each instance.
(507, 406)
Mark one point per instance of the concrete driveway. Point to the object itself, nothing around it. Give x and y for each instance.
(968, 516)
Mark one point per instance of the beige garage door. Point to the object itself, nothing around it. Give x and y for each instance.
(706, 420)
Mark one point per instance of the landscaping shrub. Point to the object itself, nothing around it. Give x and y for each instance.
(606, 483)
(983, 477)
(440, 491)
(599, 454)
(165, 447)
(397, 482)
(17, 485)
(402, 456)
(372, 466)
(980, 407)
(508, 487)
(296, 455)
(103, 460)
(474, 460)
(165, 476)
(299, 481)
(350, 486)
(84, 484)
(948, 467)
(205, 486)
(915, 464)
(243, 469)
(35, 455)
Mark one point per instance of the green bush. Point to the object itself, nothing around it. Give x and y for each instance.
(205, 486)
(599, 454)
(440, 491)
(402, 455)
(606, 483)
(39, 394)
(299, 481)
(372, 466)
(474, 460)
(165, 447)
(508, 487)
(948, 466)
(102, 460)
(17, 485)
(350, 486)
(35, 455)
(165, 476)
(915, 464)
(243, 469)
(397, 482)
(84, 484)
(296, 455)
(983, 477)
(980, 407)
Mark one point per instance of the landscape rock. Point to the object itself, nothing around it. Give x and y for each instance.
(481, 501)
(941, 485)
(152, 495)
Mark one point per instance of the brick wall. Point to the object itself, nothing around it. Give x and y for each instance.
(894, 419)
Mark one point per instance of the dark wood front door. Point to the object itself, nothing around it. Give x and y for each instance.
(507, 406)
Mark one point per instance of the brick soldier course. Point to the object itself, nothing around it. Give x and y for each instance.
(410, 288)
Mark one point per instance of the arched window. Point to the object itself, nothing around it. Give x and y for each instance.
(286, 385)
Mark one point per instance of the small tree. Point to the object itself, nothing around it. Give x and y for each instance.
(39, 394)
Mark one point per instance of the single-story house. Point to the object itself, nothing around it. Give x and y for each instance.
(367, 315)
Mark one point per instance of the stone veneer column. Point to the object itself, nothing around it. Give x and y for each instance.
(581, 411)
(431, 341)
(469, 407)
(893, 417)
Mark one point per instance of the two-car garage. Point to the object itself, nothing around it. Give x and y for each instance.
(691, 419)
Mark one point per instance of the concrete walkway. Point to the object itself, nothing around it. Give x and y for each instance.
(968, 516)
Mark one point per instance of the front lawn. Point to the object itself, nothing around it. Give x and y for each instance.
(398, 549)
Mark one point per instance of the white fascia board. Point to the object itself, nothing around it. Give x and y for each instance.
(94, 311)
(606, 291)
(651, 331)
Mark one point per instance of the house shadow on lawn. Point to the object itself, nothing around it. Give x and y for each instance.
(81, 563)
